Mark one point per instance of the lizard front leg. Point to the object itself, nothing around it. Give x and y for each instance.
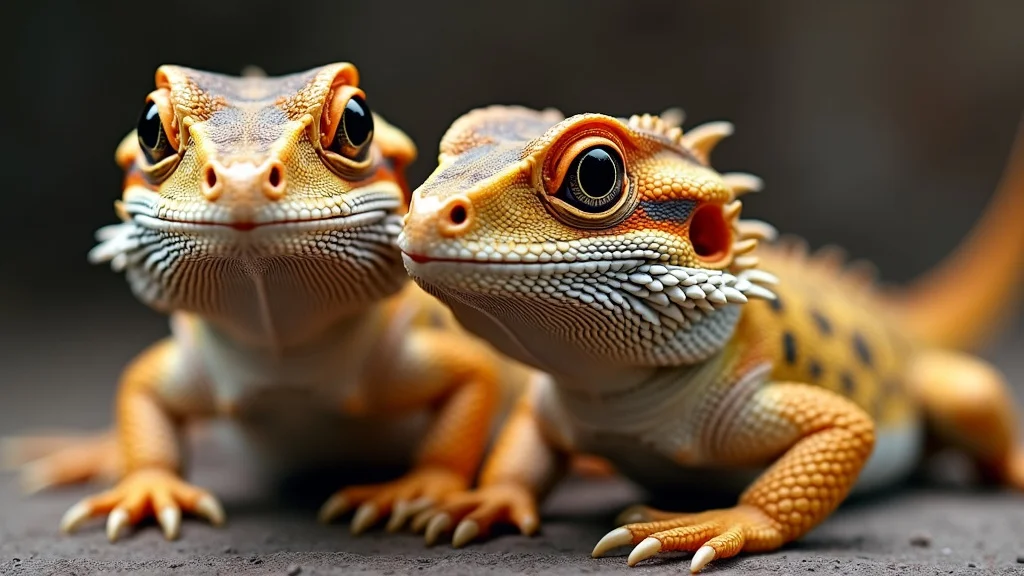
(156, 392)
(824, 441)
(523, 466)
(434, 367)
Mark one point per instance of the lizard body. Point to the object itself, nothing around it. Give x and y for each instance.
(610, 254)
(261, 214)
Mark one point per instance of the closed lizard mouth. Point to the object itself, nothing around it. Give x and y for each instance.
(332, 222)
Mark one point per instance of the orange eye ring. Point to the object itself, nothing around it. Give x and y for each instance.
(346, 124)
(157, 128)
(330, 119)
(586, 180)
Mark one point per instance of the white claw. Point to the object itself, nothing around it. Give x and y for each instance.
(404, 510)
(399, 513)
(74, 517)
(704, 555)
(170, 521)
(116, 522)
(613, 539)
(335, 506)
(465, 532)
(365, 517)
(644, 550)
(437, 525)
(210, 508)
(420, 504)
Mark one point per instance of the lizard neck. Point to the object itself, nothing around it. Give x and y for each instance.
(562, 353)
(368, 321)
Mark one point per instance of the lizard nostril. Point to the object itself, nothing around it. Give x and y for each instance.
(211, 186)
(458, 215)
(273, 186)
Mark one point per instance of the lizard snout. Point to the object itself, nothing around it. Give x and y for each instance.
(433, 225)
(243, 178)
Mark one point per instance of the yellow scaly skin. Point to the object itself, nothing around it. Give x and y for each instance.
(262, 213)
(608, 253)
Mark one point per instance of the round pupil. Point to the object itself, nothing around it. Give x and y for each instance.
(149, 126)
(597, 174)
(358, 122)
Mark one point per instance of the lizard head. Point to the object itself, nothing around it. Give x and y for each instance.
(565, 240)
(249, 196)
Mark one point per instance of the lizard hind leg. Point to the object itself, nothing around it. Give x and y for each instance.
(970, 407)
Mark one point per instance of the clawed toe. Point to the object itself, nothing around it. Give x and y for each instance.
(398, 501)
(709, 535)
(142, 493)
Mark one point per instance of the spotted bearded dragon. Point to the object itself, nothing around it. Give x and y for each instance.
(608, 253)
(262, 213)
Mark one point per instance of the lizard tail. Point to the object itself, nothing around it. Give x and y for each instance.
(966, 298)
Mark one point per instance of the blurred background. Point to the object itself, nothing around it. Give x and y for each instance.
(880, 126)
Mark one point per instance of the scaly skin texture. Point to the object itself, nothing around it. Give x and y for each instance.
(608, 253)
(262, 213)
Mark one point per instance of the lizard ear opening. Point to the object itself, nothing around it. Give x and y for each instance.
(710, 233)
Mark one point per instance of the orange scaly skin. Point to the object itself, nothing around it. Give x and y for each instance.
(609, 254)
(262, 216)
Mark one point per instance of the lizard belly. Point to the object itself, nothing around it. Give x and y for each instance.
(286, 431)
(289, 411)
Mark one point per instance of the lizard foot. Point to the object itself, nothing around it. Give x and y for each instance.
(49, 461)
(709, 535)
(153, 491)
(475, 511)
(402, 498)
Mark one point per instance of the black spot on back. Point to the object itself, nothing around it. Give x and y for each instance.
(849, 385)
(861, 347)
(789, 347)
(776, 304)
(815, 370)
(824, 326)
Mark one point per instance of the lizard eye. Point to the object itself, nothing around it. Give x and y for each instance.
(351, 132)
(155, 140)
(594, 180)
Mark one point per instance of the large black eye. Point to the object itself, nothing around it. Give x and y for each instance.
(355, 130)
(594, 181)
(152, 137)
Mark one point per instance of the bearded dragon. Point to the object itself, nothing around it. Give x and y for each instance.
(608, 253)
(261, 214)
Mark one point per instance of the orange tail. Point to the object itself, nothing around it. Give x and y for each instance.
(967, 297)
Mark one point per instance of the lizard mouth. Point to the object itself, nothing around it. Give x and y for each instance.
(424, 259)
(347, 221)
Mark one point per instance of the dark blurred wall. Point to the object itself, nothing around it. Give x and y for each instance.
(882, 126)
